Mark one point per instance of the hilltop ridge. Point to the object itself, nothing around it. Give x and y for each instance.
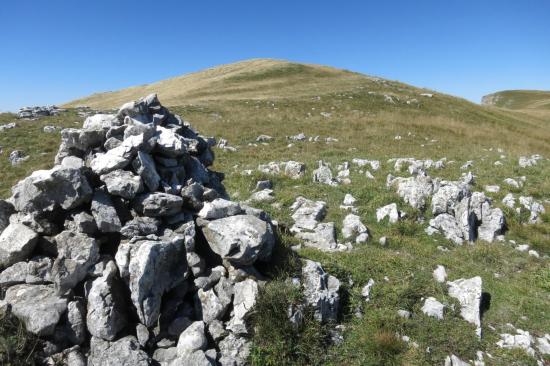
(519, 99)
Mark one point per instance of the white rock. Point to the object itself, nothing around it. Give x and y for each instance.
(439, 274)
(433, 308)
(192, 339)
(17, 242)
(389, 211)
(468, 293)
(365, 291)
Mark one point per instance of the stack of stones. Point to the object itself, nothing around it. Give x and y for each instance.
(128, 252)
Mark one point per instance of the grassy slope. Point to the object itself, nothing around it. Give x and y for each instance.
(521, 99)
(258, 101)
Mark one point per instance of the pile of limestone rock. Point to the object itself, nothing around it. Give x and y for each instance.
(128, 252)
(38, 111)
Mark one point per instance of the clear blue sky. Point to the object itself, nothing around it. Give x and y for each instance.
(53, 51)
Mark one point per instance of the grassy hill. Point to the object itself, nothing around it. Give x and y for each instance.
(533, 102)
(238, 102)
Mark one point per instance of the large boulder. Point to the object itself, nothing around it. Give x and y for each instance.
(45, 190)
(37, 306)
(241, 239)
(17, 242)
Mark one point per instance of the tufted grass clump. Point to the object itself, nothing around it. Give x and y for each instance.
(276, 340)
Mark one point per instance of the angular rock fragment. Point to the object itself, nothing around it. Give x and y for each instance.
(37, 306)
(122, 183)
(219, 208)
(151, 268)
(390, 211)
(16, 243)
(158, 204)
(244, 300)
(468, 293)
(433, 308)
(77, 253)
(6, 210)
(145, 167)
(106, 314)
(123, 352)
(105, 214)
(234, 350)
(45, 190)
(35, 271)
(241, 239)
(353, 227)
(321, 291)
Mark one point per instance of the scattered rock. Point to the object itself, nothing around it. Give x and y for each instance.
(321, 291)
(433, 308)
(439, 274)
(468, 294)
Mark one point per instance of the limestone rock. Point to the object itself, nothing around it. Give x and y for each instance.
(45, 190)
(219, 208)
(448, 226)
(17, 242)
(323, 175)
(439, 274)
(244, 300)
(145, 167)
(123, 352)
(265, 195)
(6, 210)
(322, 237)
(307, 213)
(321, 291)
(104, 212)
(234, 350)
(106, 314)
(241, 239)
(158, 204)
(353, 227)
(35, 271)
(390, 211)
(433, 308)
(38, 306)
(122, 183)
(468, 293)
(77, 253)
(192, 339)
(151, 268)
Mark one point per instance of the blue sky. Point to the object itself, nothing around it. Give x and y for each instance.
(57, 50)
